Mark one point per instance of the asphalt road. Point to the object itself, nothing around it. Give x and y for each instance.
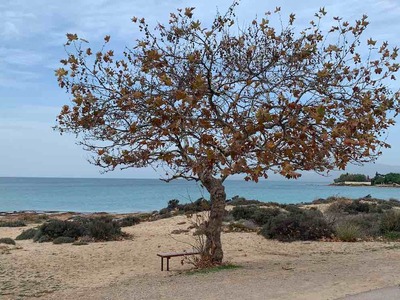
(390, 293)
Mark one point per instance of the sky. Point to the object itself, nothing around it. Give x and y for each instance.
(32, 35)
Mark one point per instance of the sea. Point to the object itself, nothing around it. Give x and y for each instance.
(143, 195)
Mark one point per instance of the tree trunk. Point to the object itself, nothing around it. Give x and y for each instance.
(213, 247)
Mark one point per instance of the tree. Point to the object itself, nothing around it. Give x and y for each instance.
(352, 177)
(205, 103)
(390, 178)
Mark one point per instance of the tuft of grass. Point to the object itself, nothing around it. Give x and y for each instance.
(392, 235)
(348, 232)
(219, 268)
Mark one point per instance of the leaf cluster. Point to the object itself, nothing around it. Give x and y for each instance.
(218, 99)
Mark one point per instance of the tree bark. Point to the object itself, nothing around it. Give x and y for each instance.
(213, 247)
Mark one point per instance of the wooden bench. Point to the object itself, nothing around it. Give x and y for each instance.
(168, 255)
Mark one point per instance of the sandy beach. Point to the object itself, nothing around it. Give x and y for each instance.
(130, 269)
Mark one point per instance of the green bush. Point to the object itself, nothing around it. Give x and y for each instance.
(338, 206)
(392, 235)
(348, 232)
(165, 215)
(368, 223)
(357, 206)
(27, 234)
(165, 211)
(57, 228)
(236, 200)
(16, 223)
(102, 229)
(390, 221)
(173, 204)
(128, 221)
(308, 225)
(42, 238)
(243, 212)
(263, 215)
(199, 205)
(354, 207)
(63, 240)
(257, 214)
(8, 241)
(386, 179)
(385, 206)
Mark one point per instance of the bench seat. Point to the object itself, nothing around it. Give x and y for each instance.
(168, 255)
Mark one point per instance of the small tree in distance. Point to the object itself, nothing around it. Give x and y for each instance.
(209, 102)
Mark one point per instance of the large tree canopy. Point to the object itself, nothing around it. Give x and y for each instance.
(209, 101)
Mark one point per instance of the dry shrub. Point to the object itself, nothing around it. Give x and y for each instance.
(198, 222)
(246, 226)
(34, 217)
(27, 234)
(348, 232)
(15, 223)
(304, 226)
(339, 206)
(8, 241)
(128, 221)
(63, 240)
(259, 215)
(390, 222)
(102, 228)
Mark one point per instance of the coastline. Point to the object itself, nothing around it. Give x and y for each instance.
(366, 185)
(155, 211)
(130, 196)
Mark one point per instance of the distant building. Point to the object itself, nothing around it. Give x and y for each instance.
(357, 183)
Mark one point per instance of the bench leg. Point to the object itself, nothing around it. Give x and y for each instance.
(162, 263)
(168, 263)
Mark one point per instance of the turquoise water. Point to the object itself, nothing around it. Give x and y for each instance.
(132, 195)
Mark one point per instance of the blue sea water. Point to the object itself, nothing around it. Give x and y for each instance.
(133, 195)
